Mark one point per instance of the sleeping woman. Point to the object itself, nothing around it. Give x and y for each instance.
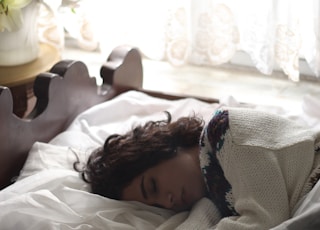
(254, 166)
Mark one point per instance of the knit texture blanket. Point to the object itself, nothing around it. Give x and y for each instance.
(256, 166)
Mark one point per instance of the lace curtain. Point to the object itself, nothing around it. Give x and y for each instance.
(203, 32)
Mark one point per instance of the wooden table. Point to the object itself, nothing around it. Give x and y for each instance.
(20, 78)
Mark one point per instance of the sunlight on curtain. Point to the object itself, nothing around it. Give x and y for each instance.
(210, 32)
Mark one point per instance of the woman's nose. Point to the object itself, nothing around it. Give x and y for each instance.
(167, 200)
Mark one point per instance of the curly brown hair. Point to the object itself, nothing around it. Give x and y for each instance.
(123, 157)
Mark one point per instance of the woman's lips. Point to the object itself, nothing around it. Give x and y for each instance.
(185, 203)
(182, 204)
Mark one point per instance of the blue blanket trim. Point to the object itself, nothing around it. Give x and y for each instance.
(218, 186)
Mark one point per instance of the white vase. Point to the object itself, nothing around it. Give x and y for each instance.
(21, 46)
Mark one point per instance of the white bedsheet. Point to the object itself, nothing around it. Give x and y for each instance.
(50, 195)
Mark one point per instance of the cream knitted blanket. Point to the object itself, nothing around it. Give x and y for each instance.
(267, 160)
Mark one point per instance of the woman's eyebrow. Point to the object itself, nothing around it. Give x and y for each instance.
(143, 190)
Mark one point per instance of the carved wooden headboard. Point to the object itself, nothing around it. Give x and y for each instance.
(61, 94)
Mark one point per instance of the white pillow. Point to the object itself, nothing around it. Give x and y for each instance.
(60, 153)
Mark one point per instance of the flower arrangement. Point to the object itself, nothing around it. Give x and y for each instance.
(10, 14)
(24, 24)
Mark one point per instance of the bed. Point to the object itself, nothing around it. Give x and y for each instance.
(41, 190)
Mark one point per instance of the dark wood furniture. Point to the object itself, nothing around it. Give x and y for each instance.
(20, 78)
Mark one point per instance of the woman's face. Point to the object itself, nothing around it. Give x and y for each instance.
(174, 184)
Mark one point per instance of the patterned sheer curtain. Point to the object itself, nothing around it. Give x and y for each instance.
(273, 33)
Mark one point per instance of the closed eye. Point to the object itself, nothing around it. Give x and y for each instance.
(142, 188)
(154, 186)
(154, 190)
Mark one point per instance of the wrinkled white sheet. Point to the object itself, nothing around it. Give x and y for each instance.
(55, 199)
(50, 195)
(307, 215)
